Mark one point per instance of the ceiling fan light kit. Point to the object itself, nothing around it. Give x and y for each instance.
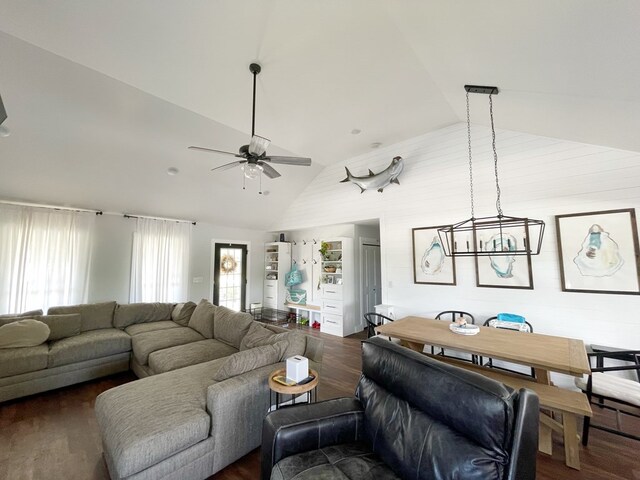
(254, 159)
(499, 235)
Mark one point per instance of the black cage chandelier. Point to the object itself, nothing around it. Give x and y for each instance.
(500, 235)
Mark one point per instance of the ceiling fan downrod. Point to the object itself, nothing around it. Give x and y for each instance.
(255, 69)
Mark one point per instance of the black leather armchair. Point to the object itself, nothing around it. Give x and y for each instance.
(412, 417)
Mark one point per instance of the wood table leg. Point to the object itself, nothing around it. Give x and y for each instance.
(571, 441)
(545, 444)
(542, 376)
(417, 347)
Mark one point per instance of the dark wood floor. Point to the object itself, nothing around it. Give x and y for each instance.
(54, 435)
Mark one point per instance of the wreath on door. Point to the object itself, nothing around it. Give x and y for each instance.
(228, 264)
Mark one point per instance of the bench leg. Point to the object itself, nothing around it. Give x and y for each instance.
(545, 445)
(571, 441)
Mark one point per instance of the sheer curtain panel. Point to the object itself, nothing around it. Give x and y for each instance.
(160, 261)
(45, 257)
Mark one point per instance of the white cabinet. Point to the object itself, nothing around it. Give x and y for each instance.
(277, 263)
(337, 282)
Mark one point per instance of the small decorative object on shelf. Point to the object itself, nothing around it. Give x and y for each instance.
(324, 247)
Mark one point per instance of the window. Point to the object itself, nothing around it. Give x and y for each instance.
(44, 257)
(160, 261)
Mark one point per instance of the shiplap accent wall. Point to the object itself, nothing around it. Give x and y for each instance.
(539, 177)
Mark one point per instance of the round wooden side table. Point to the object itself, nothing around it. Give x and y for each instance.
(311, 388)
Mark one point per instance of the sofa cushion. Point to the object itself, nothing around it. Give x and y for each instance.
(15, 361)
(190, 354)
(182, 312)
(87, 346)
(25, 332)
(94, 315)
(150, 327)
(149, 420)
(247, 360)
(202, 318)
(132, 313)
(230, 326)
(61, 326)
(30, 313)
(257, 333)
(341, 462)
(297, 342)
(144, 344)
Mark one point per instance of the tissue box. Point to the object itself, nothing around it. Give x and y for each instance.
(297, 368)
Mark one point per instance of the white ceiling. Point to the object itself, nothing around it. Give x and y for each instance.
(394, 70)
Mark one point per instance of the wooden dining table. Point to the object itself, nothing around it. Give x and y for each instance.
(544, 353)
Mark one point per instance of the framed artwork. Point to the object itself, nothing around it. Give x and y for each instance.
(504, 270)
(430, 265)
(598, 252)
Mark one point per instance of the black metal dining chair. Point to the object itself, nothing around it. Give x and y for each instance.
(453, 316)
(489, 363)
(374, 320)
(611, 392)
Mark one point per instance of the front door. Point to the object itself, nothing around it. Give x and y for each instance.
(230, 276)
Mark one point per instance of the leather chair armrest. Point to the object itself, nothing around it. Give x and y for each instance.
(524, 449)
(301, 428)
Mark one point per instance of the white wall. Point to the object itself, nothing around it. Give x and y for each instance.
(540, 177)
(111, 259)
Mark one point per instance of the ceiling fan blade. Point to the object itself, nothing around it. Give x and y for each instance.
(229, 165)
(203, 149)
(300, 161)
(268, 170)
(258, 145)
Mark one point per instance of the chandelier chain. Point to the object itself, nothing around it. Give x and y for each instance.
(495, 155)
(470, 162)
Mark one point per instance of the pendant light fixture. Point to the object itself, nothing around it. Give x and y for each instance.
(500, 235)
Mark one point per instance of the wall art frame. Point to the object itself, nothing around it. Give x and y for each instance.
(598, 252)
(503, 271)
(430, 265)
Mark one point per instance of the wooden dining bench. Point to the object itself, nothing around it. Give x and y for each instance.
(570, 404)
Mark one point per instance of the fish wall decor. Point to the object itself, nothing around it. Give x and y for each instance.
(377, 181)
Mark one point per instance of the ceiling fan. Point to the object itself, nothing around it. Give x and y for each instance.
(254, 156)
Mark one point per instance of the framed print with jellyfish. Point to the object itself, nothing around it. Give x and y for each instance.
(598, 252)
(430, 265)
(503, 270)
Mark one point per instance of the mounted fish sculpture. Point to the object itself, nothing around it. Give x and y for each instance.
(378, 181)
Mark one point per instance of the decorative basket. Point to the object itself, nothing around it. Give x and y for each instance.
(330, 269)
(299, 297)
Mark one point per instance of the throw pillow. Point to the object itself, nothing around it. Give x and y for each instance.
(248, 360)
(202, 318)
(23, 333)
(256, 334)
(297, 343)
(61, 326)
(230, 326)
(95, 316)
(182, 312)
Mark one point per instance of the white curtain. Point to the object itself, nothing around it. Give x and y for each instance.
(160, 261)
(45, 257)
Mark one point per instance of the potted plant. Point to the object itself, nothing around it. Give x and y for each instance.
(324, 247)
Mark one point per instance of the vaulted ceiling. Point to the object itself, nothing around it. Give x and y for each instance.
(104, 95)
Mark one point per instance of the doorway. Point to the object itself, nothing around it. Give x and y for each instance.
(230, 276)
(371, 278)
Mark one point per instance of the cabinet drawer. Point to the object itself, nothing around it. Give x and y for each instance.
(332, 306)
(270, 301)
(332, 292)
(270, 286)
(331, 324)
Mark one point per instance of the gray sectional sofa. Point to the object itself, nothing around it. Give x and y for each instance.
(203, 390)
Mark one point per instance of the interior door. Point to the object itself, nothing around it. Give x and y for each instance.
(230, 276)
(371, 277)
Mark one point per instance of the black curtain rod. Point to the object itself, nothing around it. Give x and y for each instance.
(126, 215)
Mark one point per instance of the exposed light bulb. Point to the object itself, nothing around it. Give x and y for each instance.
(4, 131)
(251, 170)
